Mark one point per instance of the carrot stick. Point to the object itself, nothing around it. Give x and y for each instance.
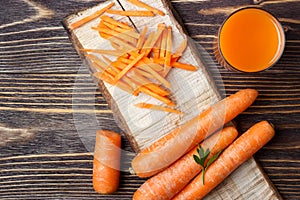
(90, 17)
(232, 157)
(144, 5)
(169, 47)
(157, 107)
(128, 67)
(157, 89)
(173, 179)
(172, 146)
(180, 49)
(130, 33)
(106, 164)
(147, 42)
(160, 29)
(114, 22)
(114, 33)
(163, 44)
(137, 13)
(184, 66)
(157, 76)
(101, 51)
(141, 39)
(157, 96)
(156, 48)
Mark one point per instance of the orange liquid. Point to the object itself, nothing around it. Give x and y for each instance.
(251, 40)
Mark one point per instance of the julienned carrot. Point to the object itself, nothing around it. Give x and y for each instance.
(157, 107)
(90, 17)
(128, 67)
(114, 22)
(138, 13)
(172, 146)
(232, 157)
(142, 37)
(156, 96)
(144, 5)
(106, 165)
(102, 51)
(180, 49)
(172, 180)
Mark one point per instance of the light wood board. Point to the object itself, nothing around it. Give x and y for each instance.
(192, 91)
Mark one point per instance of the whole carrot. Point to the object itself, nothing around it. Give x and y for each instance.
(172, 146)
(232, 157)
(106, 165)
(172, 180)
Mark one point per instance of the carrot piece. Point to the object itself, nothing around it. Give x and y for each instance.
(157, 96)
(168, 47)
(122, 43)
(232, 157)
(156, 48)
(180, 49)
(101, 51)
(157, 89)
(184, 66)
(130, 33)
(144, 5)
(175, 144)
(90, 17)
(128, 67)
(173, 179)
(150, 63)
(106, 164)
(157, 107)
(156, 37)
(114, 22)
(163, 44)
(157, 76)
(137, 13)
(147, 42)
(117, 34)
(142, 37)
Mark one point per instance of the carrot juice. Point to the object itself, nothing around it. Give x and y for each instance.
(250, 40)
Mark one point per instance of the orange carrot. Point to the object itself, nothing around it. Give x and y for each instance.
(90, 17)
(232, 157)
(137, 13)
(106, 165)
(184, 66)
(102, 51)
(128, 67)
(114, 22)
(141, 39)
(157, 96)
(144, 5)
(172, 146)
(157, 107)
(79, 23)
(172, 180)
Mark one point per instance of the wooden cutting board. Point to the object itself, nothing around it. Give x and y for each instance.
(192, 91)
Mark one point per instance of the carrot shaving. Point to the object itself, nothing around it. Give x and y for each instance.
(79, 23)
(137, 13)
(144, 5)
(157, 107)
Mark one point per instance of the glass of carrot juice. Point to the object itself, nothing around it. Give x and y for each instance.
(250, 40)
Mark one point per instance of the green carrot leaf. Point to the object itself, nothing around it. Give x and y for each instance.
(212, 159)
(202, 157)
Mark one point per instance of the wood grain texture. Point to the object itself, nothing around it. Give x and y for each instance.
(39, 68)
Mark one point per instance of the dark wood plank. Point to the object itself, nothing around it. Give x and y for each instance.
(38, 70)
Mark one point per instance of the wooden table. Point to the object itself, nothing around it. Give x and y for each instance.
(49, 104)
